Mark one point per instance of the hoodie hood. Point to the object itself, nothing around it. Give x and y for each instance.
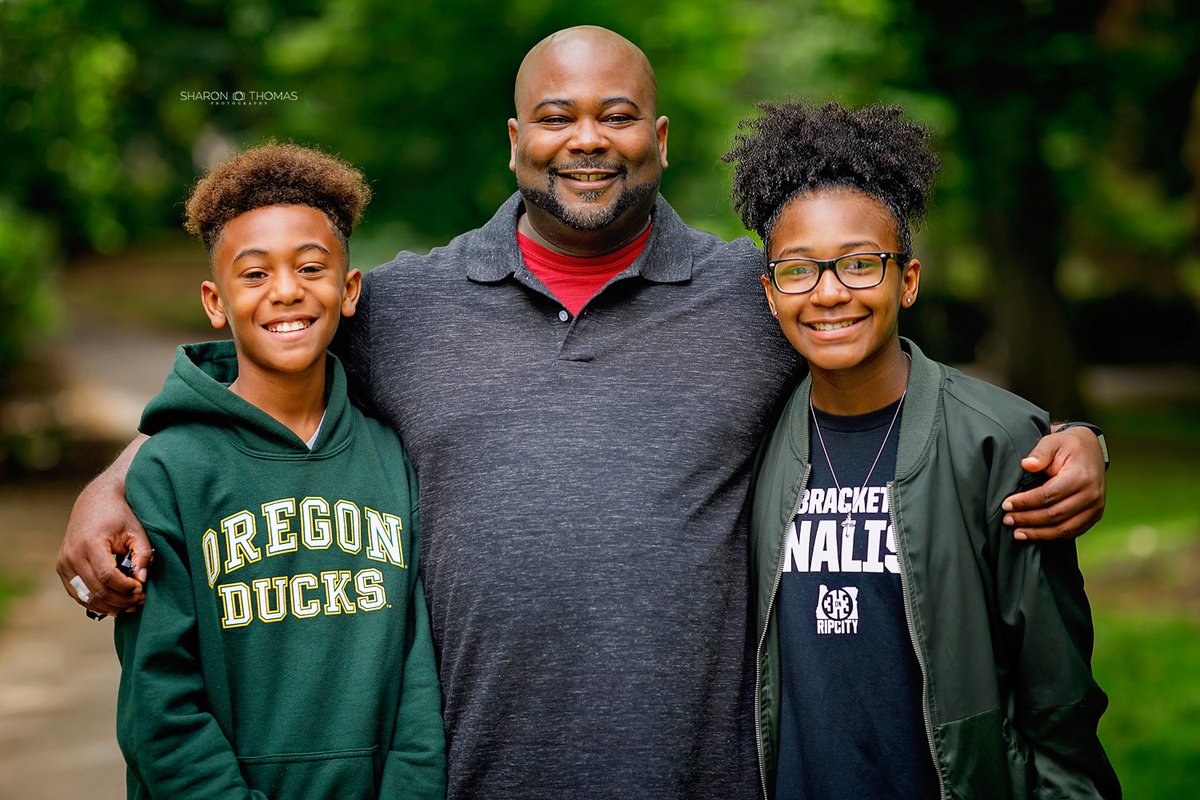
(197, 392)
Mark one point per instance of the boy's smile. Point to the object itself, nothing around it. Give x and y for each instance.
(281, 283)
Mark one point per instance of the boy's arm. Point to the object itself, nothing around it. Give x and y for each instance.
(1072, 499)
(171, 742)
(170, 738)
(415, 766)
(1047, 626)
(100, 525)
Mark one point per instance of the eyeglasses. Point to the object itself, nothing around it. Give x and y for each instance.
(854, 270)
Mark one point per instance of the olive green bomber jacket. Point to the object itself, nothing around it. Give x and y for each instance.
(1001, 628)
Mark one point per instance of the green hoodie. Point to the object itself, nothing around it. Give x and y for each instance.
(284, 648)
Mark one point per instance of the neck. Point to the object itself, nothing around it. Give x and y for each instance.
(866, 387)
(295, 400)
(559, 238)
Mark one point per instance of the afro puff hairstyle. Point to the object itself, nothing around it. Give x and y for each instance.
(793, 148)
(276, 175)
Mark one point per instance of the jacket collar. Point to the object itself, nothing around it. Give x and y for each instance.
(667, 258)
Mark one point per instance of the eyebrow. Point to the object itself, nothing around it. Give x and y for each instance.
(258, 251)
(567, 103)
(802, 251)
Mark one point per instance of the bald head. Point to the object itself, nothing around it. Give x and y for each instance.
(582, 45)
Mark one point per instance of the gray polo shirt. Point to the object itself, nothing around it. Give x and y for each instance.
(582, 498)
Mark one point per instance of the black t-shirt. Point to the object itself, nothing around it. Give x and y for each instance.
(851, 722)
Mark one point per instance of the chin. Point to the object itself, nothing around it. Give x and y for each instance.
(831, 359)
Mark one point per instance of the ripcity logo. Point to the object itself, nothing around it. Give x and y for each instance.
(837, 610)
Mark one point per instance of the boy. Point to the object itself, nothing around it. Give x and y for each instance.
(284, 649)
(908, 645)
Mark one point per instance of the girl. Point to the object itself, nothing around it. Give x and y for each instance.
(908, 646)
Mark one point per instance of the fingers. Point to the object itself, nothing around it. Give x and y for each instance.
(1060, 508)
(100, 525)
(1040, 457)
(1060, 520)
(91, 577)
(141, 553)
(1072, 500)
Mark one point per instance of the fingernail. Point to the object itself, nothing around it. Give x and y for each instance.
(1020, 536)
(1008, 520)
(141, 575)
(1007, 506)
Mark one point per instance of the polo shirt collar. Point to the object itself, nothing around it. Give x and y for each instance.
(666, 259)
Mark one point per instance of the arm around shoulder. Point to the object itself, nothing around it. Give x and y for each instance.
(101, 525)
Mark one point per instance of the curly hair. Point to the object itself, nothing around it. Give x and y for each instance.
(276, 174)
(793, 148)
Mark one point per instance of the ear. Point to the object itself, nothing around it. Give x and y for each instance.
(660, 126)
(767, 290)
(210, 298)
(512, 145)
(352, 290)
(910, 282)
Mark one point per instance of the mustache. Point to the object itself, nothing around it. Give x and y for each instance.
(585, 164)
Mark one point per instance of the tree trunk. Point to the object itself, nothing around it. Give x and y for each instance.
(1020, 221)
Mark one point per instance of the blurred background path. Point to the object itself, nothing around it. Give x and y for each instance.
(58, 669)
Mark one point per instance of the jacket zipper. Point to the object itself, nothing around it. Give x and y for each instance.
(762, 637)
(912, 634)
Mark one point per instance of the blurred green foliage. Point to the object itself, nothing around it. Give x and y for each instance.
(1070, 138)
(26, 275)
(1140, 563)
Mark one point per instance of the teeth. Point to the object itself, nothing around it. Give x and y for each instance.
(285, 327)
(831, 326)
(585, 176)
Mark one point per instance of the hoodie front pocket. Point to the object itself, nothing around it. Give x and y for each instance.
(328, 775)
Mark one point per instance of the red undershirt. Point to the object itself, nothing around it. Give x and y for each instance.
(573, 280)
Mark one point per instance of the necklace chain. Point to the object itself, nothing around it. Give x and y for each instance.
(848, 522)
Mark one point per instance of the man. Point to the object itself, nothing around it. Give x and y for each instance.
(581, 384)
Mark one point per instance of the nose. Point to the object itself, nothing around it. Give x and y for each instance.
(588, 136)
(286, 288)
(829, 291)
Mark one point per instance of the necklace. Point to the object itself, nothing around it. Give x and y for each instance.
(848, 522)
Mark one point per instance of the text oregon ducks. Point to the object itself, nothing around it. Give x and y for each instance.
(289, 525)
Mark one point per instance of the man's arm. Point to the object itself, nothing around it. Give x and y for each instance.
(101, 524)
(1072, 499)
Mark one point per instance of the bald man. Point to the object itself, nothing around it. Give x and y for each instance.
(581, 384)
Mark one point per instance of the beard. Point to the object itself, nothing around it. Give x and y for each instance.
(588, 219)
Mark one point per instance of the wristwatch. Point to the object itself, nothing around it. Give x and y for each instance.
(1094, 429)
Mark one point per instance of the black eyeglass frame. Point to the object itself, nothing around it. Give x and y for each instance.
(830, 264)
